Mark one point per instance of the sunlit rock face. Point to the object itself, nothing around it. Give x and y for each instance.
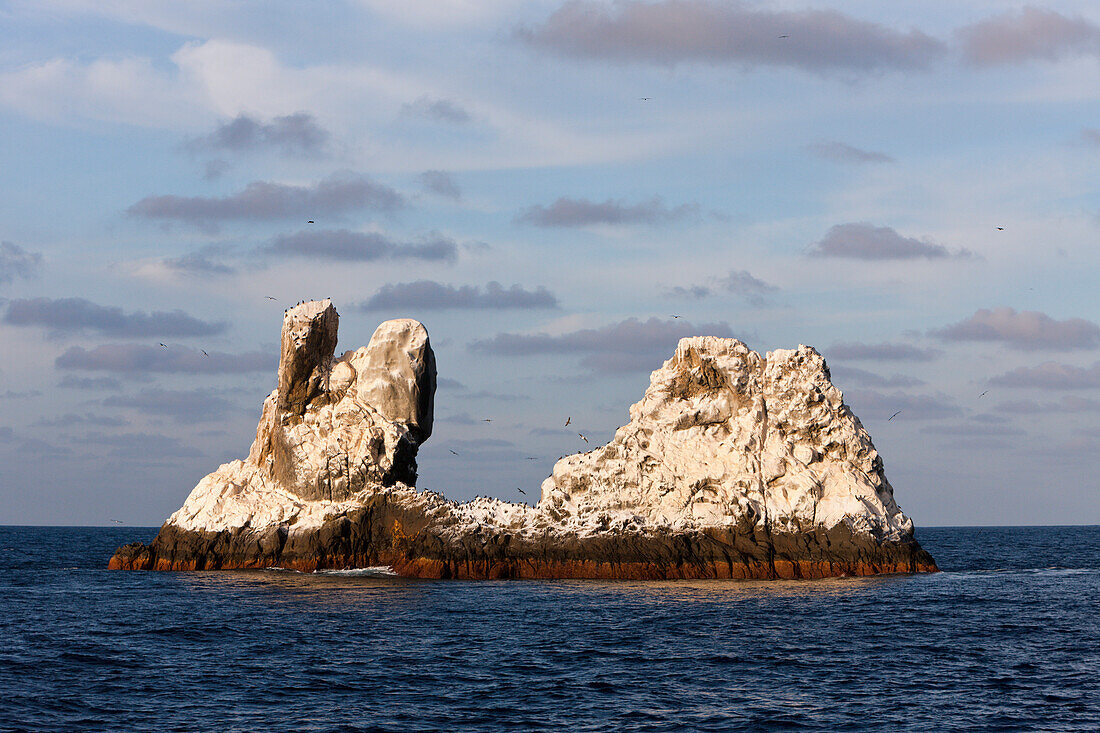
(724, 435)
(733, 465)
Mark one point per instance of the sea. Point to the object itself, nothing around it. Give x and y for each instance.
(1006, 638)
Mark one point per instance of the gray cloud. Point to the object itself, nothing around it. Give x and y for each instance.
(437, 109)
(630, 345)
(1068, 403)
(440, 183)
(1025, 330)
(197, 263)
(684, 31)
(843, 153)
(968, 430)
(296, 134)
(182, 406)
(752, 289)
(448, 383)
(262, 201)
(695, 292)
(87, 418)
(17, 262)
(1051, 375)
(141, 358)
(348, 246)
(864, 378)
(739, 282)
(72, 315)
(1030, 33)
(863, 241)
(214, 169)
(141, 446)
(878, 405)
(566, 212)
(857, 351)
(98, 384)
(427, 294)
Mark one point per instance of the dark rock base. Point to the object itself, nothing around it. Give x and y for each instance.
(386, 533)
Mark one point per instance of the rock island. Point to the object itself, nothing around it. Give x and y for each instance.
(733, 465)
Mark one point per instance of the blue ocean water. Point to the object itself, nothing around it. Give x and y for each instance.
(1006, 639)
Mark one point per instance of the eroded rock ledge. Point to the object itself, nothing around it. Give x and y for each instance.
(733, 465)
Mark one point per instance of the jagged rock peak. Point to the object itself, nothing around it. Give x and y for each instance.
(309, 338)
(724, 435)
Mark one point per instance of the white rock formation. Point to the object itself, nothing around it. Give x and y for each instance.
(724, 435)
(329, 432)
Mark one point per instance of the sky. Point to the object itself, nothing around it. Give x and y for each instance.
(909, 187)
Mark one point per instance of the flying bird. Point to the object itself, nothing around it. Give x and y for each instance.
(1000, 229)
(644, 99)
(672, 316)
(165, 345)
(893, 416)
(568, 420)
(784, 36)
(118, 521)
(532, 458)
(521, 491)
(486, 419)
(310, 221)
(270, 297)
(452, 451)
(983, 394)
(204, 352)
(583, 438)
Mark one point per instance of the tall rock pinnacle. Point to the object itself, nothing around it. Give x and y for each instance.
(309, 338)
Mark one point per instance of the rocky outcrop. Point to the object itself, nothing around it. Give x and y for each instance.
(733, 465)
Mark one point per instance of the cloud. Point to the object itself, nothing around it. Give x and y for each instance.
(739, 282)
(843, 153)
(214, 169)
(1068, 403)
(71, 315)
(437, 109)
(17, 262)
(88, 418)
(878, 405)
(440, 183)
(448, 383)
(748, 287)
(1030, 33)
(182, 406)
(141, 446)
(685, 31)
(142, 358)
(969, 430)
(630, 345)
(433, 295)
(348, 246)
(864, 378)
(296, 134)
(1051, 375)
(863, 241)
(197, 263)
(263, 201)
(695, 292)
(98, 384)
(566, 212)
(857, 351)
(1025, 330)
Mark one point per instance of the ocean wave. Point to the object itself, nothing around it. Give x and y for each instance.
(377, 571)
